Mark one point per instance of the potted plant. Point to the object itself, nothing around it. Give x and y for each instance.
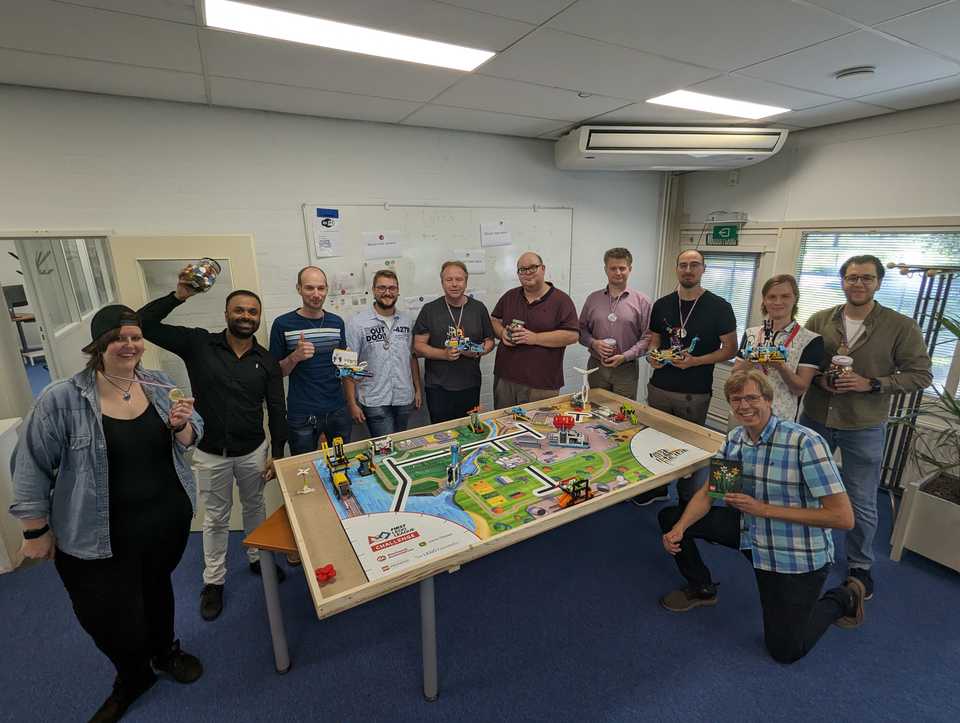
(929, 518)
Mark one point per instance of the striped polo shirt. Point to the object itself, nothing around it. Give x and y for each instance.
(314, 386)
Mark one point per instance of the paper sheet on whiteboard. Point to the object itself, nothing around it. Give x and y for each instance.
(381, 244)
(495, 234)
(475, 259)
(326, 232)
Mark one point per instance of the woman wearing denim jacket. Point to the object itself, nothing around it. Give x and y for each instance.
(102, 487)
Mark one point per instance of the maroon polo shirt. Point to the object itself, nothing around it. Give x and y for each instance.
(538, 367)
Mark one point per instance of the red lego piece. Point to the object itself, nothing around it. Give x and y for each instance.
(325, 574)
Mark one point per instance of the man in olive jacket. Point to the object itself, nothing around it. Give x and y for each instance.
(851, 410)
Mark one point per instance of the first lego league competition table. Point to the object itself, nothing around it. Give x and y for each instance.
(374, 516)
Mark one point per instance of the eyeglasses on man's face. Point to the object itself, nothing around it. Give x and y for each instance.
(527, 270)
(749, 399)
(386, 289)
(866, 279)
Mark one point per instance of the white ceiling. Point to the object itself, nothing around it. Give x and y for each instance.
(558, 62)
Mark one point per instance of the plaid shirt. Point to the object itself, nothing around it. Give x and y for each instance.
(790, 466)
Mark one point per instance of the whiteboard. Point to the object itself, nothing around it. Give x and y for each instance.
(427, 235)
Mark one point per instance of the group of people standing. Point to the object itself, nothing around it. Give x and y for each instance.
(102, 485)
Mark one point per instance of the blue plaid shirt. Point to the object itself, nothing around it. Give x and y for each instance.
(789, 466)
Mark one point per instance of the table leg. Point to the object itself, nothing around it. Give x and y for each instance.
(428, 634)
(268, 572)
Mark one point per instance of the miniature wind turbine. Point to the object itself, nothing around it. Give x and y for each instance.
(583, 396)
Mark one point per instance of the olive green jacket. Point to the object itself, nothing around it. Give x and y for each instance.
(890, 348)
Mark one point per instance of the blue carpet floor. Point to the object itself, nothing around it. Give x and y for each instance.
(39, 377)
(562, 627)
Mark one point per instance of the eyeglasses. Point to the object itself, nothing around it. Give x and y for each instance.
(750, 399)
(386, 289)
(526, 270)
(856, 279)
(691, 266)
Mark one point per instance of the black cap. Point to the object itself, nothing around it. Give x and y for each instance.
(110, 318)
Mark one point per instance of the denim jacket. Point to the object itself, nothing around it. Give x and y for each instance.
(60, 463)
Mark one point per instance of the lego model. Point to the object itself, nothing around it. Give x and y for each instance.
(456, 340)
(305, 473)
(566, 435)
(476, 426)
(765, 352)
(365, 464)
(337, 463)
(626, 412)
(601, 411)
(380, 447)
(454, 474)
(573, 490)
(348, 364)
(513, 326)
(519, 414)
(675, 351)
(582, 398)
(325, 574)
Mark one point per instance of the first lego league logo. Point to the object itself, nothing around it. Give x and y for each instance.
(396, 535)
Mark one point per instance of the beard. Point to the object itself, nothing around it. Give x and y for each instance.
(689, 284)
(386, 306)
(242, 332)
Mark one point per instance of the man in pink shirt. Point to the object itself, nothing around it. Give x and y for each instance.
(615, 327)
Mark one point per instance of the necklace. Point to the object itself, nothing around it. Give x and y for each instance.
(125, 393)
(614, 303)
(683, 322)
(458, 319)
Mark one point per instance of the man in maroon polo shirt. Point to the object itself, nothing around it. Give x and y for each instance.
(534, 322)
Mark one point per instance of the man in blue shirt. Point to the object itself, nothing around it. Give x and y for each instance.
(303, 341)
(787, 537)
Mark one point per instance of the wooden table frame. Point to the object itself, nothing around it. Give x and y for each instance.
(328, 543)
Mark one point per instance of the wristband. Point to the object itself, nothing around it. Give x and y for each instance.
(34, 534)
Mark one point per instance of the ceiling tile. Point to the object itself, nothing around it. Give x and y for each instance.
(914, 96)
(531, 11)
(70, 30)
(181, 11)
(813, 68)
(760, 91)
(420, 18)
(92, 76)
(553, 58)
(234, 55)
(869, 12)
(641, 113)
(436, 116)
(306, 101)
(937, 29)
(839, 112)
(557, 132)
(512, 96)
(723, 34)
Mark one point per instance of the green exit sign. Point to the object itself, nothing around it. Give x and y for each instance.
(724, 234)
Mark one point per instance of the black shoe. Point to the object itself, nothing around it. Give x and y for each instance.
(864, 576)
(122, 697)
(211, 602)
(648, 498)
(688, 598)
(255, 569)
(184, 668)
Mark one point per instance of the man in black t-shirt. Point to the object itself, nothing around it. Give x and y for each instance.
(452, 379)
(683, 387)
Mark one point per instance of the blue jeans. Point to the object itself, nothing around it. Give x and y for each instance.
(305, 431)
(387, 418)
(862, 457)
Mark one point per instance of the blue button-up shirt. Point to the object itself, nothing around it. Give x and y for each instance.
(60, 463)
(385, 343)
(789, 466)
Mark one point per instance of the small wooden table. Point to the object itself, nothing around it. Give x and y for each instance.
(274, 535)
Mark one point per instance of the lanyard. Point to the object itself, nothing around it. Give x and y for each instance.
(459, 319)
(683, 322)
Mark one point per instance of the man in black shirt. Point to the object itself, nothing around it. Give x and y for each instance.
(683, 387)
(231, 376)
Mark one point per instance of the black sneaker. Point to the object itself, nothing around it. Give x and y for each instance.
(680, 601)
(648, 498)
(255, 569)
(854, 612)
(211, 602)
(121, 698)
(864, 576)
(183, 667)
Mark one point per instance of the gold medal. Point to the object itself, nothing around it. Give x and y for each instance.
(175, 395)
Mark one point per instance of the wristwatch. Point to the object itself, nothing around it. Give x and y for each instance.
(874, 385)
(34, 534)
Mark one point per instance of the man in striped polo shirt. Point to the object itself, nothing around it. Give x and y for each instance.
(791, 497)
(303, 341)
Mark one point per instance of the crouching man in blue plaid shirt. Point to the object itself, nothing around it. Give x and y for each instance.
(792, 496)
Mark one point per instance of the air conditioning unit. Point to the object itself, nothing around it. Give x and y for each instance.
(666, 148)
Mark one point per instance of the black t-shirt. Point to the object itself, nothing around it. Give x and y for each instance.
(435, 319)
(710, 318)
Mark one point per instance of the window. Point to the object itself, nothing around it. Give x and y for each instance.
(822, 254)
(78, 279)
(100, 268)
(732, 276)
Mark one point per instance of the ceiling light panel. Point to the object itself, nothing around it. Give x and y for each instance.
(293, 27)
(716, 104)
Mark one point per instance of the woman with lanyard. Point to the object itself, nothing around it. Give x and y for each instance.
(804, 348)
(103, 488)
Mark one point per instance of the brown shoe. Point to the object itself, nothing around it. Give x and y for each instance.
(859, 592)
(680, 601)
